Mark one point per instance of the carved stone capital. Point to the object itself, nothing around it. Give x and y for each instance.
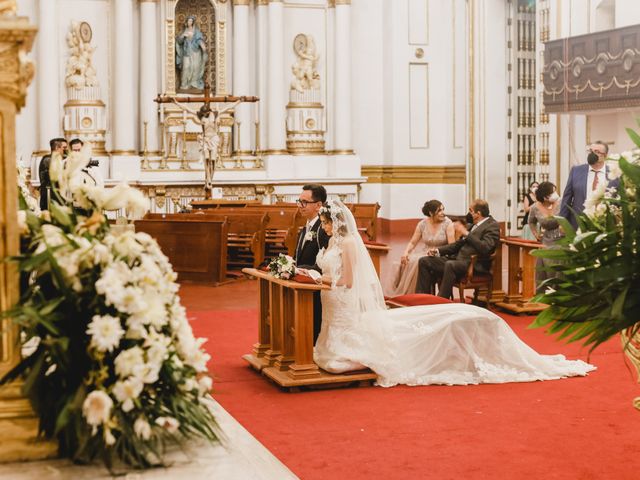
(16, 70)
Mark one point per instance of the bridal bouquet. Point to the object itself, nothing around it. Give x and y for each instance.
(282, 266)
(597, 290)
(110, 363)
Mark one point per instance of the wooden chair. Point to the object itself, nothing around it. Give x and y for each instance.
(477, 280)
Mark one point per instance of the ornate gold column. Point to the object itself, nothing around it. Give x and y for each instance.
(18, 424)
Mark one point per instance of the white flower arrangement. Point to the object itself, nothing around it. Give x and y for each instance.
(282, 266)
(116, 371)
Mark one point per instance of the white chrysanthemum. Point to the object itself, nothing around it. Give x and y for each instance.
(170, 424)
(127, 391)
(205, 383)
(53, 235)
(136, 327)
(131, 301)
(126, 246)
(96, 408)
(147, 372)
(100, 254)
(105, 332)
(189, 385)
(127, 360)
(613, 170)
(142, 428)
(112, 282)
(156, 311)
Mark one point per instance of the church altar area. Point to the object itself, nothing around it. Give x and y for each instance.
(388, 101)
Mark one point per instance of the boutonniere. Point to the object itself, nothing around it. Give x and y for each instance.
(310, 235)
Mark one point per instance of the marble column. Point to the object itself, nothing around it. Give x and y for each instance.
(342, 140)
(48, 71)
(262, 34)
(123, 116)
(241, 65)
(149, 75)
(276, 130)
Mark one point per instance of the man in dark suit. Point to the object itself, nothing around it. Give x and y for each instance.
(58, 145)
(310, 240)
(584, 179)
(450, 262)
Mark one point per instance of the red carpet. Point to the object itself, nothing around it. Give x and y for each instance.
(578, 428)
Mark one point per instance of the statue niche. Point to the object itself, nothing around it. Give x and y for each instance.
(195, 44)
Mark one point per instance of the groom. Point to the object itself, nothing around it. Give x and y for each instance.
(310, 240)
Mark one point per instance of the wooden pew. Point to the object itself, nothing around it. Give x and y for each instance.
(221, 203)
(245, 236)
(282, 229)
(195, 245)
(366, 216)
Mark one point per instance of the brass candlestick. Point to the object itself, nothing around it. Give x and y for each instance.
(145, 151)
(163, 154)
(184, 163)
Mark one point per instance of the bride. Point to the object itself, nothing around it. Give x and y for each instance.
(451, 344)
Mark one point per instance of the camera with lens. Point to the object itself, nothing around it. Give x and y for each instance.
(93, 163)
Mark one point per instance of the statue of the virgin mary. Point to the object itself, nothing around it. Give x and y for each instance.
(191, 56)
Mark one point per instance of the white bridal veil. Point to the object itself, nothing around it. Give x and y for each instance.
(366, 286)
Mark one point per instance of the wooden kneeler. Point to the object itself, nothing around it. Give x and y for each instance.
(284, 352)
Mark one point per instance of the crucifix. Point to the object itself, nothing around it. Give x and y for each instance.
(208, 118)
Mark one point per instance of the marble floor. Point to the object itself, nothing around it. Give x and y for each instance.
(238, 456)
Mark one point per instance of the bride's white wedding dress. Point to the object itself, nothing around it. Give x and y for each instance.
(451, 344)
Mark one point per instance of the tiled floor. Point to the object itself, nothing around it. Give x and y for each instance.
(239, 456)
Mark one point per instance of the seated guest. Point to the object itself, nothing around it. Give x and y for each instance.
(544, 226)
(450, 262)
(435, 230)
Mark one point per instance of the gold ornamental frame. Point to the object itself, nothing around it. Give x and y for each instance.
(217, 59)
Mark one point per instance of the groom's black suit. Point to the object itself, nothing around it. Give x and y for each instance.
(454, 258)
(306, 253)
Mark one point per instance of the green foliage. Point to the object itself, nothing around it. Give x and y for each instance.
(74, 274)
(596, 293)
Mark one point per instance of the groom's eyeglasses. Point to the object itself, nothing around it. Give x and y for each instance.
(304, 203)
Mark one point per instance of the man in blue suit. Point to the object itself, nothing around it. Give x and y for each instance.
(583, 179)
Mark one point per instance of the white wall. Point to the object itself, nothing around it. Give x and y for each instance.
(368, 80)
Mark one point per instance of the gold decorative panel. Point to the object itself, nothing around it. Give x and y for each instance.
(592, 72)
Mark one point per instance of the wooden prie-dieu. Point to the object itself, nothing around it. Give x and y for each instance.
(284, 352)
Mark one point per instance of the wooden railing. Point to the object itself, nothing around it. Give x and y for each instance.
(521, 275)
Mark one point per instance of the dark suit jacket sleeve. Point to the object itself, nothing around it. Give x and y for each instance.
(567, 196)
(43, 170)
(452, 248)
(487, 241)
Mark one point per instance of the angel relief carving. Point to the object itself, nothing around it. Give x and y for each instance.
(80, 71)
(7, 7)
(305, 75)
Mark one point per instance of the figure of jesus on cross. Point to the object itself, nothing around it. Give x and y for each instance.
(209, 119)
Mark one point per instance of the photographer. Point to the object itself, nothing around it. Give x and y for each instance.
(58, 145)
(91, 172)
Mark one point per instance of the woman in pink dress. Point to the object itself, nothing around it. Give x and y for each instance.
(434, 230)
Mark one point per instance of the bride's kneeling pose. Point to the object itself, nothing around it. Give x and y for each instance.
(452, 344)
